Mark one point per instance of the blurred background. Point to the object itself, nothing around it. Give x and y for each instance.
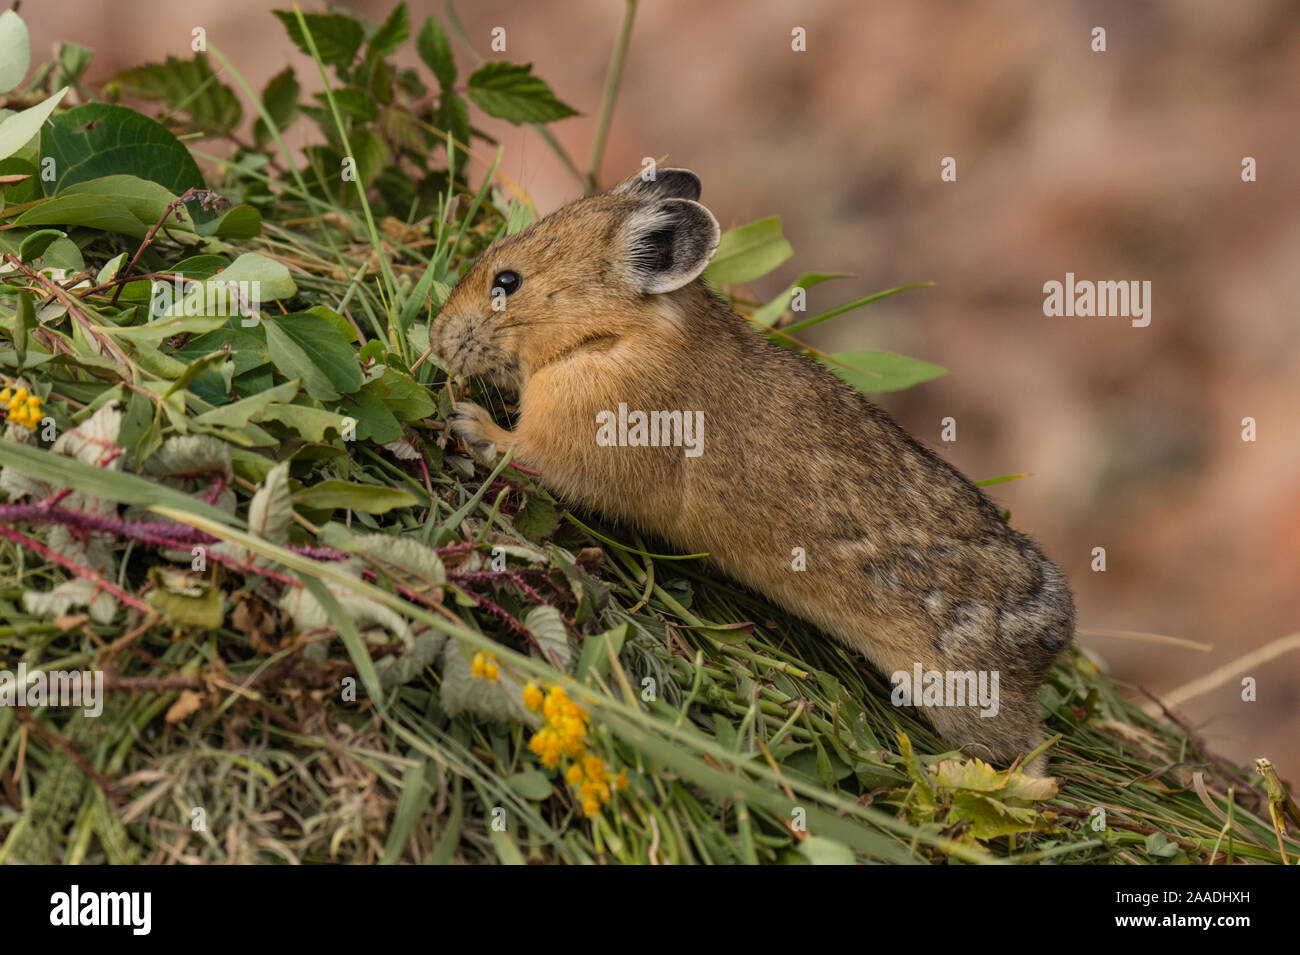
(1114, 166)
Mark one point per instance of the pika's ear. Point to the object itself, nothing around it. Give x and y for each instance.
(666, 184)
(668, 243)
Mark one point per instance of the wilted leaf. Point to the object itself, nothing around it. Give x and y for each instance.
(186, 705)
(271, 509)
(547, 626)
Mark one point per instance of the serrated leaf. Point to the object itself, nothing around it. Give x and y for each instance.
(188, 85)
(337, 37)
(511, 92)
(435, 51)
(537, 519)
(392, 33)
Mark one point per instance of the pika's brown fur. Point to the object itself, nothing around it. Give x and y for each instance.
(906, 561)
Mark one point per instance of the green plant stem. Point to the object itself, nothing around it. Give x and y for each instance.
(613, 79)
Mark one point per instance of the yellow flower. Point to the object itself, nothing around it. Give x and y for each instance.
(484, 667)
(564, 736)
(22, 408)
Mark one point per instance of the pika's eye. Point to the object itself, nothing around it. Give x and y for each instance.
(507, 281)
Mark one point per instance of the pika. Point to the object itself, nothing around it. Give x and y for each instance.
(600, 307)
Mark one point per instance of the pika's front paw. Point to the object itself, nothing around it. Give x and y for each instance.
(475, 427)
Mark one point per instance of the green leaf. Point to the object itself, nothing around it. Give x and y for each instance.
(374, 420)
(96, 140)
(273, 277)
(858, 303)
(453, 117)
(280, 98)
(28, 189)
(873, 372)
(337, 37)
(165, 327)
(17, 131)
(241, 222)
(435, 51)
(415, 796)
(392, 33)
(311, 423)
(368, 498)
(182, 610)
(820, 850)
(531, 784)
(188, 85)
(509, 91)
(239, 413)
(35, 244)
(595, 656)
(352, 102)
(537, 519)
(74, 60)
(402, 396)
(309, 347)
(370, 152)
(96, 212)
(63, 254)
(15, 50)
(24, 322)
(748, 251)
(769, 313)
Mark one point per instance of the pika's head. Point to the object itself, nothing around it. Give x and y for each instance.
(587, 274)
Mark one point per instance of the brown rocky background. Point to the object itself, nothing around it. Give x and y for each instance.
(1117, 165)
